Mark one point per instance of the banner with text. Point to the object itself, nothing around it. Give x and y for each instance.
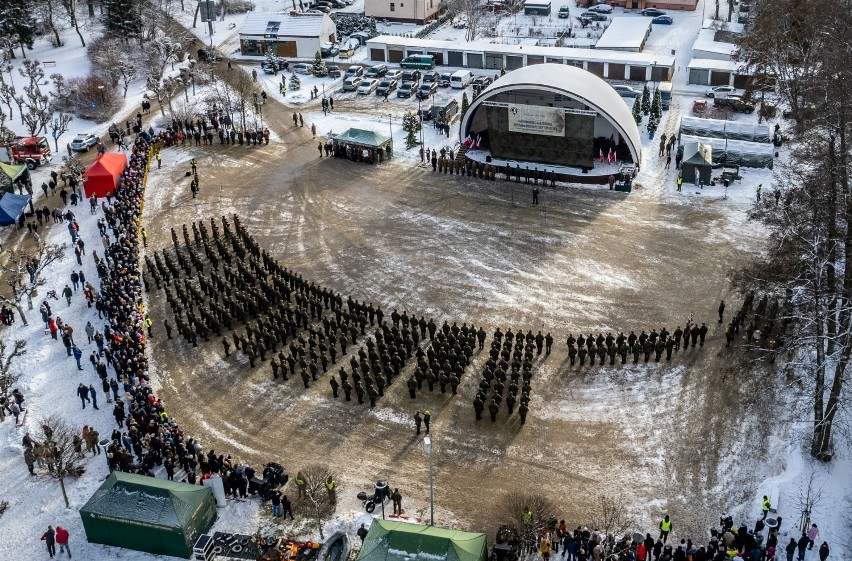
(534, 119)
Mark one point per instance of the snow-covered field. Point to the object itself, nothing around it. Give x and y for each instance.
(49, 377)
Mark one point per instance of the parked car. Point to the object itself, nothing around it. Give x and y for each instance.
(564, 12)
(333, 71)
(593, 16)
(329, 50)
(395, 74)
(354, 70)
(735, 102)
(377, 71)
(411, 76)
(720, 91)
(368, 86)
(430, 76)
(321, 9)
(273, 65)
(302, 68)
(625, 91)
(206, 54)
(663, 20)
(82, 142)
(406, 89)
(352, 83)
(482, 82)
(653, 12)
(601, 8)
(426, 89)
(338, 4)
(386, 86)
(444, 80)
(426, 113)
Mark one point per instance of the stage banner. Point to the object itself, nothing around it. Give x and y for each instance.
(534, 119)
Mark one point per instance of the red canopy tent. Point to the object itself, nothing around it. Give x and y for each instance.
(102, 176)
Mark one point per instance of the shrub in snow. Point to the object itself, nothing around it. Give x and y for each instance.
(91, 97)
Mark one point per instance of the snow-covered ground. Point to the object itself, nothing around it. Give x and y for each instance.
(50, 377)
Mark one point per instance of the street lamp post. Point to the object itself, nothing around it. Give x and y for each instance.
(427, 447)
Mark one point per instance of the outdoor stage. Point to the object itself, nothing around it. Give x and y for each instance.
(598, 175)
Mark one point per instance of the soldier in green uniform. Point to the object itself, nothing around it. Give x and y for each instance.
(334, 385)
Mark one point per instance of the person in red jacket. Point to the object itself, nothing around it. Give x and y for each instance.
(51, 324)
(62, 540)
(640, 552)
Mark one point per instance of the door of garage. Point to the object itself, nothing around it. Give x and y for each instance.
(493, 61)
(638, 73)
(377, 55)
(720, 78)
(615, 71)
(287, 48)
(456, 58)
(395, 55)
(596, 68)
(513, 62)
(474, 60)
(438, 56)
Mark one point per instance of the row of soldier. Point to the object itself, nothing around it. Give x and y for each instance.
(645, 344)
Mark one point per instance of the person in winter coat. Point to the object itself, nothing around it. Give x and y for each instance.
(813, 534)
(823, 551)
(94, 394)
(29, 459)
(49, 538)
(791, 549)
(54, 329)
(62, 540)
(362, 532)
(78, 354)
(83, 394)
(802, 545)
(67, 293)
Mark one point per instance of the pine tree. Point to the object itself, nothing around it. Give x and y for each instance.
(411, 125)
(637, 110)
(295, 83)
(653, 122)
(657, 106)
(17, 20)
(319, 69)
(465, 103)
(646, 100)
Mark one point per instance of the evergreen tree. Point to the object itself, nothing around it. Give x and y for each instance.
(319, 69)
(18, 23)
(411, 125)
(637, 110)
(657, 106)
(653, 122)
(121, 16)
(295, 83)
(646, 100)
(465, 103)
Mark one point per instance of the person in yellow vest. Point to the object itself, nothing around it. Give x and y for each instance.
(301, 482)
(148, 323)
(331, 487)
(765, 505)
(679, 182)
(665, 528)
(545, 549)
(527, 516)
(159, 160)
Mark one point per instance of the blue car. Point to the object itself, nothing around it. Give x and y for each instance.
(662, 20)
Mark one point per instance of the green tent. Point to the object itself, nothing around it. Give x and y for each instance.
(401, 541)
(16, 174)
(148, 514)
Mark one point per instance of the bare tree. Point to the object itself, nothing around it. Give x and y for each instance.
(71, 10)
(319, 503)
(46, 12)
(474, 12)
(530, 513)
(8, 376)
(37, 112)
(24, 282)
(810, 495)
(59, 126)
(613, 519)
(59, 451)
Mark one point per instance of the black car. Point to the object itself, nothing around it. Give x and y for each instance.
(333, 71)
(735, 102)
(329, 51)
(426, 113)
(564, 12)
(406, 89)
(593, 16)
(386, 87)
(207, 54)
(411, 76)
(653, 12)
(427, 89)
(482, 82)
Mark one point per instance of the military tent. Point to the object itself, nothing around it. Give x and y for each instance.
(147, 514)
(401, 541)
(12, 207)
(102, 176)
(697, 161)
(18, 175)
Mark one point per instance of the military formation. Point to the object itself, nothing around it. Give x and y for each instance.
(767, 326)
(510, 359)
(645, 346)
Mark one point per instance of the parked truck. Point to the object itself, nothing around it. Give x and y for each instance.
(33, 151)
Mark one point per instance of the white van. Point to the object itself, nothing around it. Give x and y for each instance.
(461, 79)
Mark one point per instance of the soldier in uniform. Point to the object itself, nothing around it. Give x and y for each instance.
(510, 402)
(225, 344)
(659, 347)
(454, 383)
(347, 390)
(334, 385)
(572, 354)
(493, 408)
(412, 387)
(611, 350)
(359, 391)
(623, 350)
(522, 412)
(478, 407)
(702, 333)
(168, 327)
(637, 350)
(669, 346)
(548, 343)
(582, 352)
(274, 364)
(305, 377)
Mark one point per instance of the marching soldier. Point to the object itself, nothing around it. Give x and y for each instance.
(347, 390)
(412, 387)
(493, 408)
(225, 344)
(522, 411)
(478, 408)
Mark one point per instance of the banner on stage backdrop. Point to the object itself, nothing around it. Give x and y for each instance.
(535, 119)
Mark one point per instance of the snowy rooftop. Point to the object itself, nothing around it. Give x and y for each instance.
(625, 33)
(721, 65)
(595, 55)
(706, 43)
(731, 26)
(283, 25)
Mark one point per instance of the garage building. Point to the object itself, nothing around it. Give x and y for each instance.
(290, 35)
(625, 34)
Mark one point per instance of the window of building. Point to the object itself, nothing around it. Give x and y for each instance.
(392, 7)
(273, 26)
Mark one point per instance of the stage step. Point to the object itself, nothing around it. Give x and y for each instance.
(461, 152)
